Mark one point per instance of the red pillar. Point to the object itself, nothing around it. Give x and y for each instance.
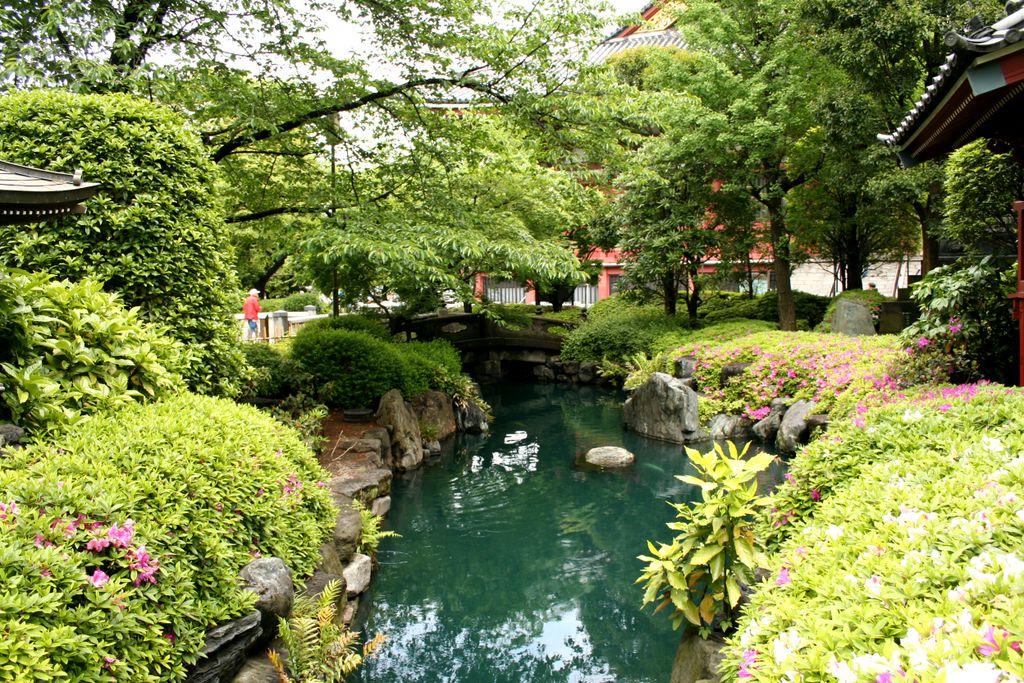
(1018, 296)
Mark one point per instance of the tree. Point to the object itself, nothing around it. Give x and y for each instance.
(153, 234)
(981, 185)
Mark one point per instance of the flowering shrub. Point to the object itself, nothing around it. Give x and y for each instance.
(910, 568)
(792, 365)
(120, 542)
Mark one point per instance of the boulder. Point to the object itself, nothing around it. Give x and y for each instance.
(816, 423)
(733, 427)
(664, 408)
(852, 318)
(435, 408)
(733, 370)
(610, 456)
(271, 580)
(358, 574)
(543, 373)
(348, 527)
(225, 650)
(767, 428)
(471, 419)
(432, 448)
(406, 441)
(380, 434)
(697, 659)
(793, 430)
(10, 434)
(364, 483)
(257, 669)
(685, 367)
(381, 506)
(587, 373)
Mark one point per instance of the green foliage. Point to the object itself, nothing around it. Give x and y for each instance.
(718, 333)
(618, 331)
(305, 416)
(122, 538)
(70, 350)
(347, 369)
(700, 572)
(898, 548)
(153, 234)
(965, 329)
(509, 316)
(295, 302)
(871, 298)
(426, 364)
(274, 375)
(371, 533)
(726, 305)
(981, 186)
(370, 324)
(641, 368)
(318, 649)
(464, 392)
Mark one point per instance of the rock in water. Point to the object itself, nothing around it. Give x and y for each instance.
(664, 408)
(610, 456)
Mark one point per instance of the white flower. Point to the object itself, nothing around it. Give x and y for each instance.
(783, 647)
(873, 586)
(957, 595)
(972, 672)
(871, 664)
(992, 444)
(842, 672)
(834, 531)
(912, 415)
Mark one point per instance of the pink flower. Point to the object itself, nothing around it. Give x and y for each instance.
(99, 578)
(749, 660)
(97, 545)
(815, 495)
(108, 662)
(121, 537)
(790, 478)
(141, 561)
(944, 408)
(922, 342)
(859, 422)
(783, 577)
(8, 510)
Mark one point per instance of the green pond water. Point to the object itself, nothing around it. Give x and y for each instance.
(516, 565)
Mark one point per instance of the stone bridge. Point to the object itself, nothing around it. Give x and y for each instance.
(491, 351)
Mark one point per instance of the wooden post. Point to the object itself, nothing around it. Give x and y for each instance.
(1018, 296)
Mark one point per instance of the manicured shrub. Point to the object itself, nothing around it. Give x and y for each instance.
(122, 539)
(618, 332)
(425, 364)
(347, 369)
(294, 302)
(371, 325)
(153, 234)
(69, 350)
(810, 308)
(910, 566)
(274, 374)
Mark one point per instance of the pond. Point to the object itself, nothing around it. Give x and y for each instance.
(515, 565)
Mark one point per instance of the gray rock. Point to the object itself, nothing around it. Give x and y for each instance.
(767, 428)
(697, 659)
(368, 450)
(609, 456)
(271, 580)
(348, 527)
(733, 370)
(733, 427)
(587, 373)
(362, 483)
(685, 367)
(257, 669)
(663, 408)
(401, 422)
(225, 650)
(10, 434)
(348, 615)
(432, 447)
(571, 367)
(384, 439)
(793, 430)
(816, 423)
(435, 408)
(381, 506)
(471, 419)
(316, 584)
(543, 373)
(852, 318)
(358, 574)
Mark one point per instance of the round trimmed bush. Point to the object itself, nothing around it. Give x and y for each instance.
(355, 323)
(347, 369)
(121, 541)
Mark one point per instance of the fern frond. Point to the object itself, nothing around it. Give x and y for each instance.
(371, 646)
(275, 661)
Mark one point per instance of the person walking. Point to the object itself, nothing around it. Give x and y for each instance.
(251, 310)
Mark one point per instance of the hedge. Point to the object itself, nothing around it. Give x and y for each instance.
(122, 539)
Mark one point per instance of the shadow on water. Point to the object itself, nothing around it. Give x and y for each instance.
(517, 566)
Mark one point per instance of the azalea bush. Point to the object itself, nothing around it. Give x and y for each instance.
(791, 366)
(68, 350)
(909, 567)
(121, 540)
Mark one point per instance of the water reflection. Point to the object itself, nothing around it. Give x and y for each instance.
(515, 565)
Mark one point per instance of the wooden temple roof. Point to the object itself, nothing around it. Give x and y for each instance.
(30, 195)
(978, 92)
(657, 30)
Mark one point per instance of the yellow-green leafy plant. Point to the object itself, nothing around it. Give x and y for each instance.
(319, 650)
(369, 538)
(642, 368)
(700, 572)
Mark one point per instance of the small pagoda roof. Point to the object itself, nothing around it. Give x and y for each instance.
(658, 30)
(30, 195)
(978, 92)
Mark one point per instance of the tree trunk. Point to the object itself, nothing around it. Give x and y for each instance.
(692, 297)
(670, 290)
(930, 215)
(783, 270)
(271, 270)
